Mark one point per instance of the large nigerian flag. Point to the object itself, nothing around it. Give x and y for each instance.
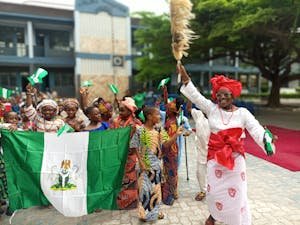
(76, 172)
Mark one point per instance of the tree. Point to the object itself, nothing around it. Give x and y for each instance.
(264, 32)
(154, 38)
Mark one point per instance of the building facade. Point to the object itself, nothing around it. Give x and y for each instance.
(90, 42)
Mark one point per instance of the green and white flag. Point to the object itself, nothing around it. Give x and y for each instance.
(87, 83)
(180, 117)
(76, 172)
(65, 129)
(163, 82)
(38, 76)
(113, 88)
(5, 93)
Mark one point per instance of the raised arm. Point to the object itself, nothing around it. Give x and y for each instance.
(29, 110)
(165, 94)
(30, 91)
(84, 94)
(190, 91)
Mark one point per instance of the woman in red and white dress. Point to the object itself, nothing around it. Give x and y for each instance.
(226, 169)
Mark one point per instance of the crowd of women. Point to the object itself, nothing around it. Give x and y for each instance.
(151, 176)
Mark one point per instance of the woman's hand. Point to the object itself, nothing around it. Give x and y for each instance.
(30, 89)
(84, 91)
(76, 125)
(13, 127)
(275, 138)
(187, 133)
(179, 131)
(185, 78)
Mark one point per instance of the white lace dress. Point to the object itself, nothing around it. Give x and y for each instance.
(227, 189)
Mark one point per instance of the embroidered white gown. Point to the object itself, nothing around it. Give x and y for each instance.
(227, 189)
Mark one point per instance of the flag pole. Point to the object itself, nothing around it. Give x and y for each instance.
(186, 159)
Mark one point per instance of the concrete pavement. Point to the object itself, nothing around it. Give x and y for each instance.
(274, 193)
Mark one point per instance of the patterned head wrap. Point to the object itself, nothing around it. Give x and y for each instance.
(97, 101)
(130, 104)
(105, 107)
(220, 81)
(47, 102)
(71, 102)
(171, 106)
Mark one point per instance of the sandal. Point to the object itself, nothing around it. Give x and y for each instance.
(210, 221)
(200, 196)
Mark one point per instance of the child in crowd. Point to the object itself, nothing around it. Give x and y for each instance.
(171, 154)
(71, 107)
(149, 140)
(44, 116)
(93, 114)
(11, 121)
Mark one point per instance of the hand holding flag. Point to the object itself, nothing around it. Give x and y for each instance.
(114, 89)
(180, 118)
(38, 76)
(163, 82)
(268, 142)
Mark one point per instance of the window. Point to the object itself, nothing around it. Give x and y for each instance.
(63, 79)
(8, 79)
(59, 40)
(12, 41)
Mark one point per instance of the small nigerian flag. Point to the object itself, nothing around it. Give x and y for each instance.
(142, 116)
(77, 172)
(38, 76)
(65, 129)
(5, 93)
(163, 82)
(87, 83)
(113, 88)
(268, 141)
(180, 117)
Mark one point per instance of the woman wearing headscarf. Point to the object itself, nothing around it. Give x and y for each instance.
(106, 111)
(226, 169)
(128, 197)
(74, 115)
(44, 116)
(171, 153)
(170, 156)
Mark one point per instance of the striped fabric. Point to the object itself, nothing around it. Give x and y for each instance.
(43, 125)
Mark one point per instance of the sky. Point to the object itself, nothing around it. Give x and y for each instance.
(156, 6)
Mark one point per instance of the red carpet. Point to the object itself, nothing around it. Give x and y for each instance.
(287, 148)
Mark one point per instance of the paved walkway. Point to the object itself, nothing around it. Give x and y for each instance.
(274, 195)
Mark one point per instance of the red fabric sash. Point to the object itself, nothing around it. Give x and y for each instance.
(222, 144)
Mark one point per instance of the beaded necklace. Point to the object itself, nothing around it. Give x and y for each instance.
(229, 117)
